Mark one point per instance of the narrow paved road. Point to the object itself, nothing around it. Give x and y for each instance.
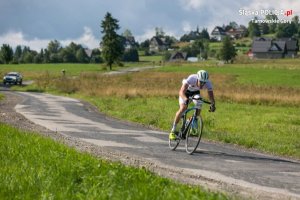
(260, 176)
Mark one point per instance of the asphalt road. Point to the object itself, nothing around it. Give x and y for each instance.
(260, 175)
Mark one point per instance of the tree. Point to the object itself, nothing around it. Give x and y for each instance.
(265, 28)
(286, 30)
(96, 56)
(254, 29)
(54, 46)
(18, 55)
(6, 53)
(204, 34)
(272, 26)
(159, 32)
(227, 51)
(53, 49)
(68, 54)
(46, 57)
(28, 55)
(205, 50)
(295, 20)
(112, 47)
(81, 56)
(127, 33)
(131, 55)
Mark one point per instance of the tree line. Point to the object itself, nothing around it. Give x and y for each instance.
(54, 53)
(280, 30)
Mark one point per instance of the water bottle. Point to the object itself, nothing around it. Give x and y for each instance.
(195, 123)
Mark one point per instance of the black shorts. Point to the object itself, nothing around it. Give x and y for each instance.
(190, 93)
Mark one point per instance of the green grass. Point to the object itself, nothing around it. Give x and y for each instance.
(215, 45)
(151, 58)
(34, 167)
(72, 68)
(31, 71)
(271, 129)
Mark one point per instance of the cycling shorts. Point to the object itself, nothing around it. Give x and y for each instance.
(196, 94)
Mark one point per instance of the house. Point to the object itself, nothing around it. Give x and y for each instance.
(237, 33)
(218, 33)
(157, 44)
(178, 56)
(129, 42)
(269, 48)
(292, 47)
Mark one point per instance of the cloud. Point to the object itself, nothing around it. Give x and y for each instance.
(280, 5)
(192, 4)
(186, 26)
(150, 32)
(13, 38)
(87, 39)
(17, 38)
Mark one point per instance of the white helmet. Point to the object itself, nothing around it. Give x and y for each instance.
(202, 76)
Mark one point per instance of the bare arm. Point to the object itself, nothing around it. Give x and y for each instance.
(211, 96)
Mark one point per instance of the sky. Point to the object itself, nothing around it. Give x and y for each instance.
(35, 23)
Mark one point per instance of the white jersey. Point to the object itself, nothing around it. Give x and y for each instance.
(192, 82)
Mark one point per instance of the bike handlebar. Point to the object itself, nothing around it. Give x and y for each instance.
(201, 99)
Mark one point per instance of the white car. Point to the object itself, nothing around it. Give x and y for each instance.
(13, 78)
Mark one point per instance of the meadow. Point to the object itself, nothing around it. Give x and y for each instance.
(36, 167)
(32, 71)
(257, 101)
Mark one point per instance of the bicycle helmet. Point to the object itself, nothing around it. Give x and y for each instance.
(202, 76)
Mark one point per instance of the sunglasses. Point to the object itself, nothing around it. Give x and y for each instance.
(202, 82)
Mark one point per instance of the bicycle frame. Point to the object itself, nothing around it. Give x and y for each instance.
(184, 127)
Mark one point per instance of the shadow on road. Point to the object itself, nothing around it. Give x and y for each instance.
(243, 157)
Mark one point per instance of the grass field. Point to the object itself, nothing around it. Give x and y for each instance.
(34, 167)
(257, 103)
(157, 58)
(32, 71)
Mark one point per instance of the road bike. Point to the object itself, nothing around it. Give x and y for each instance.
(191, 128)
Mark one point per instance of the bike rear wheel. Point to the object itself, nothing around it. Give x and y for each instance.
(193, 135)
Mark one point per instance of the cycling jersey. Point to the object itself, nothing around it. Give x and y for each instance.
(194, 89)
(192, 82)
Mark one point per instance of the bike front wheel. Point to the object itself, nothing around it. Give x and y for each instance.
(174, 143)
(193, 135)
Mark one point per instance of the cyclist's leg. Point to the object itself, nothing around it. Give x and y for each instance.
(178, 114)
(198, 104)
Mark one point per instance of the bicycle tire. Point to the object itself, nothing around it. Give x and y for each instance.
(193, 136)
(173, 144)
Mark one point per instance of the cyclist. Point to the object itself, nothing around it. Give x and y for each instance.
(191, 87)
